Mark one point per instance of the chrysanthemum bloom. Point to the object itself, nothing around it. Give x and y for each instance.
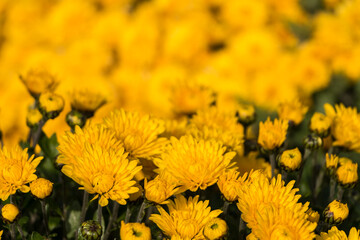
(335, 234)
(312, 215)
(213, 123)
(87, 100)
(134, 231)
(320, 124)
(345, 127)
(16, 171)
(280, 223)
(138, 134)
(39, 81)
(293, 111)
(215, 229)
(261, 192)
(336, 212)
(90, 230)
(95, 159)
(228, 184)
(41, 188)
(347, 174)
(9, 212)
(195, 163)
(245, 114)
(186, 218)
(331, 161)
(291, 160)
(159, 189)
(51, 104)
(33, 117)
(272, 134)
(187, 97)
(252, 162)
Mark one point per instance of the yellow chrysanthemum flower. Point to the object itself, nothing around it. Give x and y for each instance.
(272, 134)
(195, 163)
(336, 212)
(87, 100)
(261, 192)
(134, 231)
(41, 188)
(212, 123)
(312, 215)
(252, 162)
(51, 104)
(275, 223)
(347, 174)
(292, 111)
(320, 124)
(95, 159)
(215, 229)
(291, 159)
(245, 113)
(186, 218)
(331, 161)
(138, 134)
(38, 81)
(345, 127)
(9, 212)
(159, 189)
(33, 117)
(1, 233)
(335, 234)
(16, 171)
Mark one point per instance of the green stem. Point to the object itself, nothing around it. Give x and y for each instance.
(45, 219)
(225, 207)
(36, 135)
(12, 231)
(284, 175)
(99, 213)
(332, 189)
(307, 154)
(241, 228)
(20, 231)
(112, 219)
(340, 193)
(128, 213)
(141, 212)
(84, 206)
(273, 164)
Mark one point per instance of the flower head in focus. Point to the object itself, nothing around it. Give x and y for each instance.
(215, 229)
(291, 159)
(159, 189)
(293, 111)
(17, 169)
(335, 234)
(41, 188)
(336, 212)
(134, 231)
(272, 134)
(195, 163)
(38, 81)
(186, 218)
(9, 212)
(229, 182)
(347, 173)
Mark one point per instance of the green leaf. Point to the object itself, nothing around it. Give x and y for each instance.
(36, 236)
(54, 222)
(49, 145)
(72, 221)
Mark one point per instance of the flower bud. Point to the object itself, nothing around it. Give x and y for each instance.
(75, 118)
(293, 111)
(215, 229)
(331, 163)
(134, 231)
(336, 212)
(320, 124)
(38, 81)
(159, 190)
(9, 213)
(33, 118)
(228, 184)
(246, 114)
(51, 104)
(347, 174)
(90, 230)
(312, 216)
(41, 188)
(313, 142)
(290, 160)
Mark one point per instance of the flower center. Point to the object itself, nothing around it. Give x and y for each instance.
(103, 183)
(12, 171)
(188, 228)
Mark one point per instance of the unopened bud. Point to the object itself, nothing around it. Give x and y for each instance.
(90, 230)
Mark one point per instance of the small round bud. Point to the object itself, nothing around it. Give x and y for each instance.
(38, 81)
(313, 142)
(41, 188)
(336, 212)
(134, 231)
(75, 118)
(33, 118)
(346, 174)
(90, 230)
(228, 184)
(51, 104)
(9, 213)
(290, 160)
(246, 114)
(320, 124)
(215, 229)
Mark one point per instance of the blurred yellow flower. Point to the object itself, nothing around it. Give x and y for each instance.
(291, 160)
(252, 162)
(331, 161)
(33, 117)
(9, 212)
(312, 215)
(320, 124)
(51, 104)
(195, 163)
(186, 218)
(38, 81)
(245, 113)
(336, 212)
(87, 100)
(17, 169)
(134, 231)
(293, 111)
(1, 233)
(215, 229)
(347, 174)
(41, 188)
(272, 134)
(335, 234)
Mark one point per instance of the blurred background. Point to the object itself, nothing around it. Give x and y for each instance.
(166, 57)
